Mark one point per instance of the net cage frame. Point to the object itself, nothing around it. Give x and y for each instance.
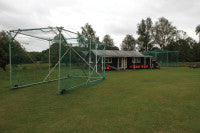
(92, 67)
(165, 58)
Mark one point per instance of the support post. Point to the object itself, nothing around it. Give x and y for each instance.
(177, 59)
(89, 56)
(102, 67)
(150, 62)
(70, 60)
(59, 59)
(96, 57)
(10, 53)
(118, 63)
(10, 63)
(49, 60)
(167, 59)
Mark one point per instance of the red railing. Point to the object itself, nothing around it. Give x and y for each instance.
(138, 66)
(106, 68)
(131, 67)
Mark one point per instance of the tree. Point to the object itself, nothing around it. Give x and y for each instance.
(88, 32)
(81, 40)
(144, 31)
(18, 55)
(128, 44)
(185, 48)
(196, 52)
(185, 52)
(181, 35)
(54, 55)
(163, 32)
(197, 30)
(4, 50)
(36, 56)
(109, 43)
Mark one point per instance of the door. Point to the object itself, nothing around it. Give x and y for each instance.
(122, 62)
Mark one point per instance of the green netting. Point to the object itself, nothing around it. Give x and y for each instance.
(164, 58)
(54, 54)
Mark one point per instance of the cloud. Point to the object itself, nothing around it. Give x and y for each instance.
(114, 17)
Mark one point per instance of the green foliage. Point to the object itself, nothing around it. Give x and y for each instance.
(113, 48)
(18, 54)
(128, 44)
(54, 54)
(168, 38)
(196, 52)
(163, 32)
(89, 33)
(109, 43)
(87, 37)
(36, 56)
(144, 31)
(4, 50)
(188, 49)
(185, 53)
(82, 41)
(197, 30)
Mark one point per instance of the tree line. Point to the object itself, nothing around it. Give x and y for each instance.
(161, 35)
(158, 36)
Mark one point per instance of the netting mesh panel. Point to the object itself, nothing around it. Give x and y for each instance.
(29, 60)
(55, 54)
(164, 58)
(80, 65)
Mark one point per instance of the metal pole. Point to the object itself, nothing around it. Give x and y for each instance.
(10, 54)
(102, 63)
(89, 56)
(70, 60)
(123, 62)
(56, 64)
(59, 59)
(31, 29)
(177, 59)
(10, 63)
(49, 60)
(96, 58)
(33, 36)
(167, 59)
(89, 77)
(39, 83)
(150, 62)
(118, 63)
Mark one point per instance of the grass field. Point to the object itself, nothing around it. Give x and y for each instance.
(165, 100)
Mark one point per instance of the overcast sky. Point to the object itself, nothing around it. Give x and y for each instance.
(114, 17)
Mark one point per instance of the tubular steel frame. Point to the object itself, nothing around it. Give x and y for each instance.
(70, 48)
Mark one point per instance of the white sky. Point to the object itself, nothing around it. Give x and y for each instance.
(115, 17)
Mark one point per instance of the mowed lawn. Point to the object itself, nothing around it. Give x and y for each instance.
(165, 100)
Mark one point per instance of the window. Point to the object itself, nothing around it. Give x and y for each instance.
(136, 60)
(108, 60)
